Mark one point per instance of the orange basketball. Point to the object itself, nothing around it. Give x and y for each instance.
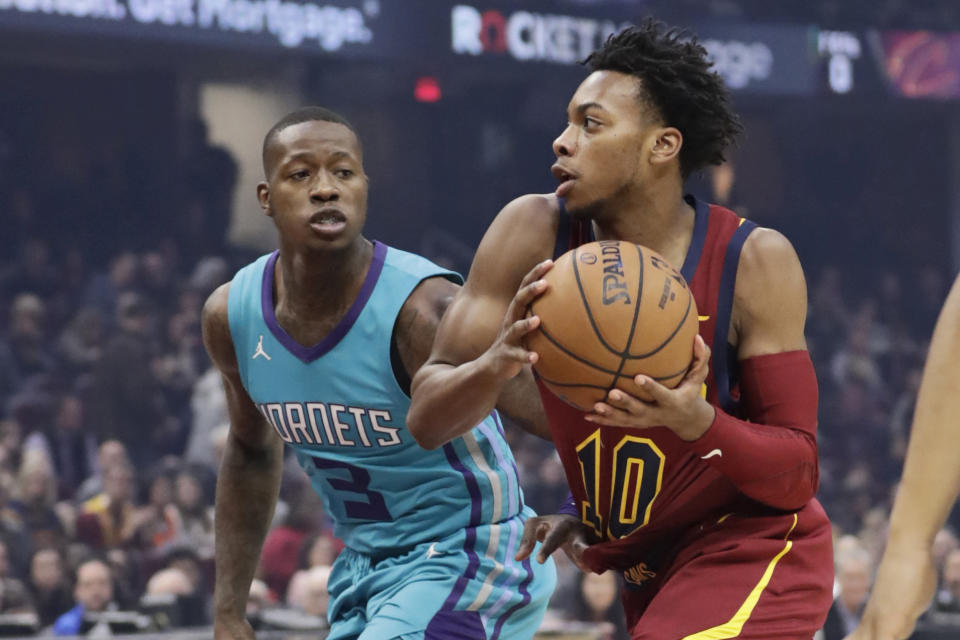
(613, 310)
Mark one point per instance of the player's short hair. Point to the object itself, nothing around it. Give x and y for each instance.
(676, 79)
(304, 114)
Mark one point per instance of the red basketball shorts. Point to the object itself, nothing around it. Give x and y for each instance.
(748, 577)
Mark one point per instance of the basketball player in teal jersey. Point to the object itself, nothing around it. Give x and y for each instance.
(430, 535)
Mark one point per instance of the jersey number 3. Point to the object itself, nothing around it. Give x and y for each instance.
(637, 473)
(375, 508)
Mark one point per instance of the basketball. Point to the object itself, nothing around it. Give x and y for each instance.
(612, 310)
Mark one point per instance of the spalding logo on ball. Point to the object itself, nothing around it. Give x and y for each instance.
(613, 310)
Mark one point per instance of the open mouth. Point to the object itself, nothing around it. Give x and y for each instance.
(328, 217)
(565, 178)
(328, 223)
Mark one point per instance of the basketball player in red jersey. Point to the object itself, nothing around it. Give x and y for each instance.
(703, 501)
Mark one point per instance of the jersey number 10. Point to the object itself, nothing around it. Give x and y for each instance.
(637, 473)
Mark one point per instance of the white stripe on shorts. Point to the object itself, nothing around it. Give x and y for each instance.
(474, 448)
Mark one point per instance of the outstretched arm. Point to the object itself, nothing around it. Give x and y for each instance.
(247, 484)
(478, 345)
(931, 482)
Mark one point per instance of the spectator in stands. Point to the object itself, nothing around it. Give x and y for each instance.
(318, 550)
(109, 453)
(260, 597)
(944, 543)
(47, 585)
(308, 591)
(13, 532)
(14, 597)
(27, 337)
(110, 520)
(158, 280)
(92, 592)
(198, 570)
(854, 576)
(33, 272)
(71, 448)
(195, 512)
(160, 521)
(169, 581)
(104, 290)
(948, 597)
(190, 603)
(597, 601)
(208, 407)
(81, 343)
(278, 560)
(36, 496)
(127, 402)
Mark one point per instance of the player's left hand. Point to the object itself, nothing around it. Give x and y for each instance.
(683, 409)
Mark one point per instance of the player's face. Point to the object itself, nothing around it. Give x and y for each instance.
(316, 189)
(600, 153)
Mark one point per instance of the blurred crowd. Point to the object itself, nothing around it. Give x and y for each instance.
(112, 423)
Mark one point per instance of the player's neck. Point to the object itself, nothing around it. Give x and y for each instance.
(316, 283)
(657, 217)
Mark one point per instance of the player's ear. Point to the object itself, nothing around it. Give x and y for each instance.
(666, 145)
(263, 196)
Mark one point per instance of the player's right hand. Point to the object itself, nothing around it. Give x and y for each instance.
(229, 628)
(905, 585)
(556, 531)
(507, 355)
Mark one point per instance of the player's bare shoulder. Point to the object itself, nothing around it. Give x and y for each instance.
(768, 263)
(532, 217)
(770, 296)
(216, 329)
(523, 234)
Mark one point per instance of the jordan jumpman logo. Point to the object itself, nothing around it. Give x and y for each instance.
(260, 351)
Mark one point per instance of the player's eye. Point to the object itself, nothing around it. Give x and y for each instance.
(343, 174)
(589, 122)
(300, 174)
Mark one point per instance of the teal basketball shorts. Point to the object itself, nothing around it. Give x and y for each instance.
(466, 586)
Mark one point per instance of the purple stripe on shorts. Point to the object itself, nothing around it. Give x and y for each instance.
(471, 532)
(472, 486)
(472, 565)
(511, 569)
(524, 601)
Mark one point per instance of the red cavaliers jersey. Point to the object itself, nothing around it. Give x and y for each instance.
(638, 489)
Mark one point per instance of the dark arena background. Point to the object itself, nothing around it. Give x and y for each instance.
(130, 135)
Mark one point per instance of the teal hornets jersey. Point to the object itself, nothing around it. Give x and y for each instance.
(339, 406)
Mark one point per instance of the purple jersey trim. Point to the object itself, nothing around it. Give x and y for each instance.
(309, 354)
(569, 506)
